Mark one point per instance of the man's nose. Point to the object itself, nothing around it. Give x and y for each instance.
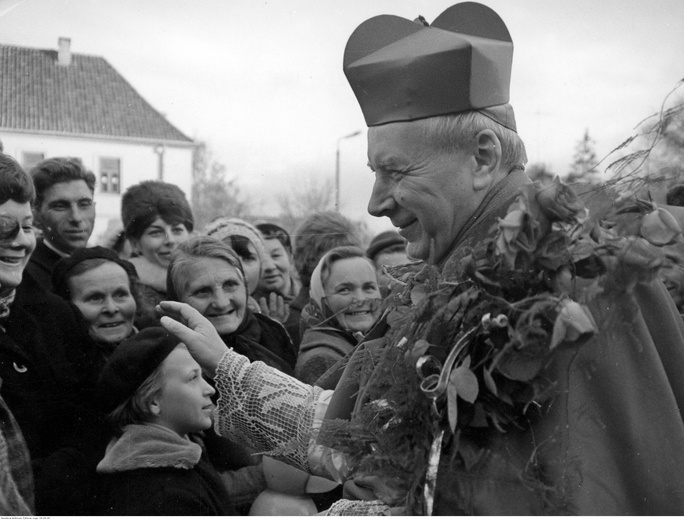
(76, 214)
(381, 202)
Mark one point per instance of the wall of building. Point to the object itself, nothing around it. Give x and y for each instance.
(137, 162)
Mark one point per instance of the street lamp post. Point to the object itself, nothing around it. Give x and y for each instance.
(337, 167)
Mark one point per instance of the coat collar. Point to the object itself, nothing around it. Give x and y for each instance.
(143, 446)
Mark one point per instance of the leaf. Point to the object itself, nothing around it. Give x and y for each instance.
(520, 368)
(489, 382)
(465, 382)
(452, 406)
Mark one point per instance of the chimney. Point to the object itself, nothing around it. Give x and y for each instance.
(64, 51)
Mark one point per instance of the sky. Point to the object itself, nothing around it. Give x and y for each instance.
(262, 83)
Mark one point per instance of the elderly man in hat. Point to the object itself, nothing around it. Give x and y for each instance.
(592, 428)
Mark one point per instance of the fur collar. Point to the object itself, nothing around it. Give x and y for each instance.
(149, 446)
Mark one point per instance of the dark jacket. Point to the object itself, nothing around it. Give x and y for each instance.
(48, 372)
(259, 338)
(320, 349)
(151, 470)
(40, 265)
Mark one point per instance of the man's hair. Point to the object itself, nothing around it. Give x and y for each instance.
(15, 183)
(341, 253)
(317, 235)
(187, 254)
(675, 195)
(454, 132)
(51, 171)
(136, 409)
(270, 231)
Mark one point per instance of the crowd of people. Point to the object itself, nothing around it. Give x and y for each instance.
(498, 355)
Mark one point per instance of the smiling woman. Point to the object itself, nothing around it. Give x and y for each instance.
(208, 275)
(157, 219)
(102, 287)
(345, 304)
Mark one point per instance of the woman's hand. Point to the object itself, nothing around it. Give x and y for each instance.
(274, 307)
(196, 331)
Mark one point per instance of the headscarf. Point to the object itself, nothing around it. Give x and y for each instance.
(224, 227)
(61, 270)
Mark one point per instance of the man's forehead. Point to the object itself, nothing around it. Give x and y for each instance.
(395, 144)
(69, 190)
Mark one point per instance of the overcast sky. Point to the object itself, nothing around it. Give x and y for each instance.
(262, 82)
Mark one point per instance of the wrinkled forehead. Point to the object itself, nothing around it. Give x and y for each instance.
(393, 144)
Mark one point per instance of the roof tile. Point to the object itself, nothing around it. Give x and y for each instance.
(86, 97)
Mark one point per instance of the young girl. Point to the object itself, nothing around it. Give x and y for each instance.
(157, 400)
(345, 304)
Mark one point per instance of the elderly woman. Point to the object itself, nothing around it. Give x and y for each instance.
(345, 304)
(157, 219)
(207, 274)
(101, 286)
(248, 243)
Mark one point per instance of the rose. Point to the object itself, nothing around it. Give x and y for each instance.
(518, 231)
(659, 227)
(559, 202)
(574, 324)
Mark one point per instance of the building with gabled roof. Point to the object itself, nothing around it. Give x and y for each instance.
(56, 103)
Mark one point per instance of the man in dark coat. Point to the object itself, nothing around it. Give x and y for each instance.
(64, 210)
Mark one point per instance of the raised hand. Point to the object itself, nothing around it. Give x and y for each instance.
(196, 331)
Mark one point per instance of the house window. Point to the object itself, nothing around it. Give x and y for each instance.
(30, 159)
(110, 175)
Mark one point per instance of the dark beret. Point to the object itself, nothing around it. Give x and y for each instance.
(61, 270)
(143, 203)
(133, 361)
(382, 241)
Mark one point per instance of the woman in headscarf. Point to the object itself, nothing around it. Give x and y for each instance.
(345, 304)
(208, 275)
(103, 287)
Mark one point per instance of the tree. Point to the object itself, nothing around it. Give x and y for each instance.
(212, 194)
(302, 201)
(584, 163)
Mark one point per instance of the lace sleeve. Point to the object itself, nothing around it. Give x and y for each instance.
(358, 508)
(265, 408)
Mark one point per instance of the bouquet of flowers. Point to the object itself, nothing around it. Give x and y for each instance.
(470, 341)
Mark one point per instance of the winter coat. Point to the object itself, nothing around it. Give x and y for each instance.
(321, 348)
(48, 380)
(152, 471)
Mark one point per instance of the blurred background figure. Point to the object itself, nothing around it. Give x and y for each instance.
(387, 249)
(157, 219)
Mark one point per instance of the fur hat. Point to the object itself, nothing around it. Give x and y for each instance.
(133, 361)
(143, 203)
(402, 70)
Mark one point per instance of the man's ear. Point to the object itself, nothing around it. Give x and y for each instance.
(487, 159)
(154, 407)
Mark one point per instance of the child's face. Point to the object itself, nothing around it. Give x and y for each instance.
(184, 402)
(352, 293)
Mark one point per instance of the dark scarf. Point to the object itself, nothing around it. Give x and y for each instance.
(5, 303)
(260, 338)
